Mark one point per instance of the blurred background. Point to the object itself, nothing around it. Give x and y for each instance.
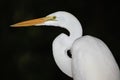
(26, 53)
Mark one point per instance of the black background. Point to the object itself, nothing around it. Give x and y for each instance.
(26, 53)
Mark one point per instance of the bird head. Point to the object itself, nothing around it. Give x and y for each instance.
(58, 19)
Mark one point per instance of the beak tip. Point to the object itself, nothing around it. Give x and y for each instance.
(13, 25)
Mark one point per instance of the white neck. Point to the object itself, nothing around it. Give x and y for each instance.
(63, 43)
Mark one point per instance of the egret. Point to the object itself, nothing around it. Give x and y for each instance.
(91, 58)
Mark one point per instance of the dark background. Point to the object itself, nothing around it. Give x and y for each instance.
(26, 53)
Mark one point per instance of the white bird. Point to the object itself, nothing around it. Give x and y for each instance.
(91, 58)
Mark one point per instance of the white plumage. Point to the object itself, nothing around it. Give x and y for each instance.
(91, 58)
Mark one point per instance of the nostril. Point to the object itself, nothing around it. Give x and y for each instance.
(69, 53)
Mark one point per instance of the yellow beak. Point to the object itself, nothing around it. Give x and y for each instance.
(33, 22)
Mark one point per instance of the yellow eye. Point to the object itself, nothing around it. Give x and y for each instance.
(54, 17)
(51, 18)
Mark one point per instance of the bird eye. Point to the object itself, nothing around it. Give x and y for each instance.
(54, 17)
(49, 18)
(69, 53)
